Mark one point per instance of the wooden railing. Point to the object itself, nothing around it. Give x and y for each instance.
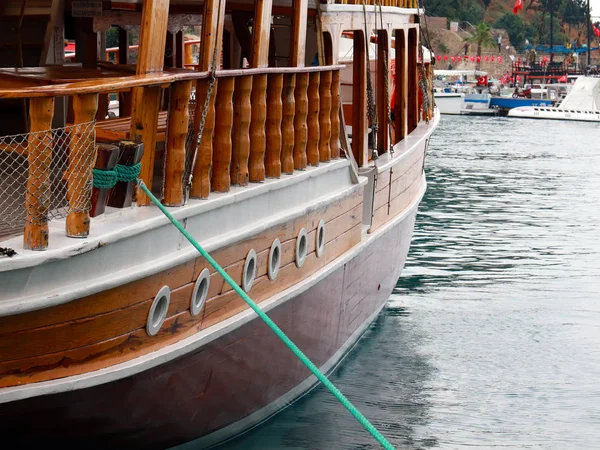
(259, 124)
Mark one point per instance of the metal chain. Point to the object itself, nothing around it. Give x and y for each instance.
(370, 101)
(211, 85)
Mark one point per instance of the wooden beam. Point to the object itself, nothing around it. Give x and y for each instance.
(298, 33)
(383, 51)
(146, 101)
(123, 46)
(261, 32)
(413, 85)
(212, 32)
(359, 100)
(86, 41)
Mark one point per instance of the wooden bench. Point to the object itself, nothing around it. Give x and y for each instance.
(111, 130)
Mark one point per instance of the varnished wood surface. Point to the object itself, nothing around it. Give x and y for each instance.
(108, 327)
(300, 125)
(287, 123)
(258, 138)
(312, 144)
(202, 171)
(226, 380)
(241, 131)
(222, 142)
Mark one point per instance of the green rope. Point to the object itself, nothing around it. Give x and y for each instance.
(106, 179)
(280, 334)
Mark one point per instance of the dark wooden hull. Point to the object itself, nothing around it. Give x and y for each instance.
(229, 384)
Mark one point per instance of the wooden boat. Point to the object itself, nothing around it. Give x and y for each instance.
(114, 332)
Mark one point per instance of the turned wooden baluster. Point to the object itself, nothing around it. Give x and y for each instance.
(222, 141)
(287, 123)
(273, 127)
(257, 128)
(178, 124)
(202, 170)
(300, 125)
(241, 130)
(334, 142)
(312, 145)
(325, 117)
(39, 158)
(81, 161)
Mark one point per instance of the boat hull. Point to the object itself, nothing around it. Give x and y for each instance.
(232, 382)
(533, 112)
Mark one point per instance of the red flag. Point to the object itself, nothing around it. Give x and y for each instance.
(472, 59)
(499, 59)
(596, 31)
(518, 6)
(563, 79)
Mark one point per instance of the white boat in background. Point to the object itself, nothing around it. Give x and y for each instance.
(461, 98)
(582, 103)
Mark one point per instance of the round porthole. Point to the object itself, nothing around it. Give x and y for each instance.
(158, 311)
(320, 239)
(274, 259)
(301, 247)
(249, 271)
(200, 292)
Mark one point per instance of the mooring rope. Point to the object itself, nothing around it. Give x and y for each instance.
(280, 334)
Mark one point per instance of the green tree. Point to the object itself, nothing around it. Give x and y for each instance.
(482, 37)
(513, 24)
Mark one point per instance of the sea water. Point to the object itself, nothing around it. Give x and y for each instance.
(492, 335)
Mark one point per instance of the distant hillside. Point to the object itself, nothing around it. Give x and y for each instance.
(532, 23)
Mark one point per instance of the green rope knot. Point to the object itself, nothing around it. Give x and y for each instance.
(128, 173)
(106, 179)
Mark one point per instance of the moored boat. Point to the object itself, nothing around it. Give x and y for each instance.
(113, 331)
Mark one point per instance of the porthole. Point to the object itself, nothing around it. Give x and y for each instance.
(274, 259)
(200, 292)
(158, 311)
(249, 271)
(301, 247)
(320, 239)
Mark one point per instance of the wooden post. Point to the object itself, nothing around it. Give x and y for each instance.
(300, 125)
(261, 32)
(334, 143)
(107, 156)
(401, 87)
(257, 128)
(81, 161)
(180, 59)
(298, 33)
(39, 158)
(123, 46)
(178, 122)
(325, 117)
(273, 127)
(413, 84)
(241, 130)
(287, 123)
(359, 100)
(222, 141)
(170, 49)
(383, 52)
(312, 145)
(130, 153)
(146, 101)
(212, 32)
(202, 171)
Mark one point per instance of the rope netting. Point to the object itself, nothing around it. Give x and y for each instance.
(45, 175)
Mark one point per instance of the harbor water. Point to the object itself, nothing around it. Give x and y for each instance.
(492, 336)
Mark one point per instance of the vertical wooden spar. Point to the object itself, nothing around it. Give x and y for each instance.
(413, 83)
(325, 117)
(212, 37)
(312, 146)
(335, 115)
(383, 52)
(298, 33)
(273, 125)
(144, 118)
(202, 171)
(240, 151)
(401, 86)
(300, 125)
(359, 100)
(222, 142)
(176, 133)
(257, 128)
(39, 158)
(261, 32)
(81, 161)
(287, 123)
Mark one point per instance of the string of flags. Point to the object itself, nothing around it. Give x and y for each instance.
(470, 58)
